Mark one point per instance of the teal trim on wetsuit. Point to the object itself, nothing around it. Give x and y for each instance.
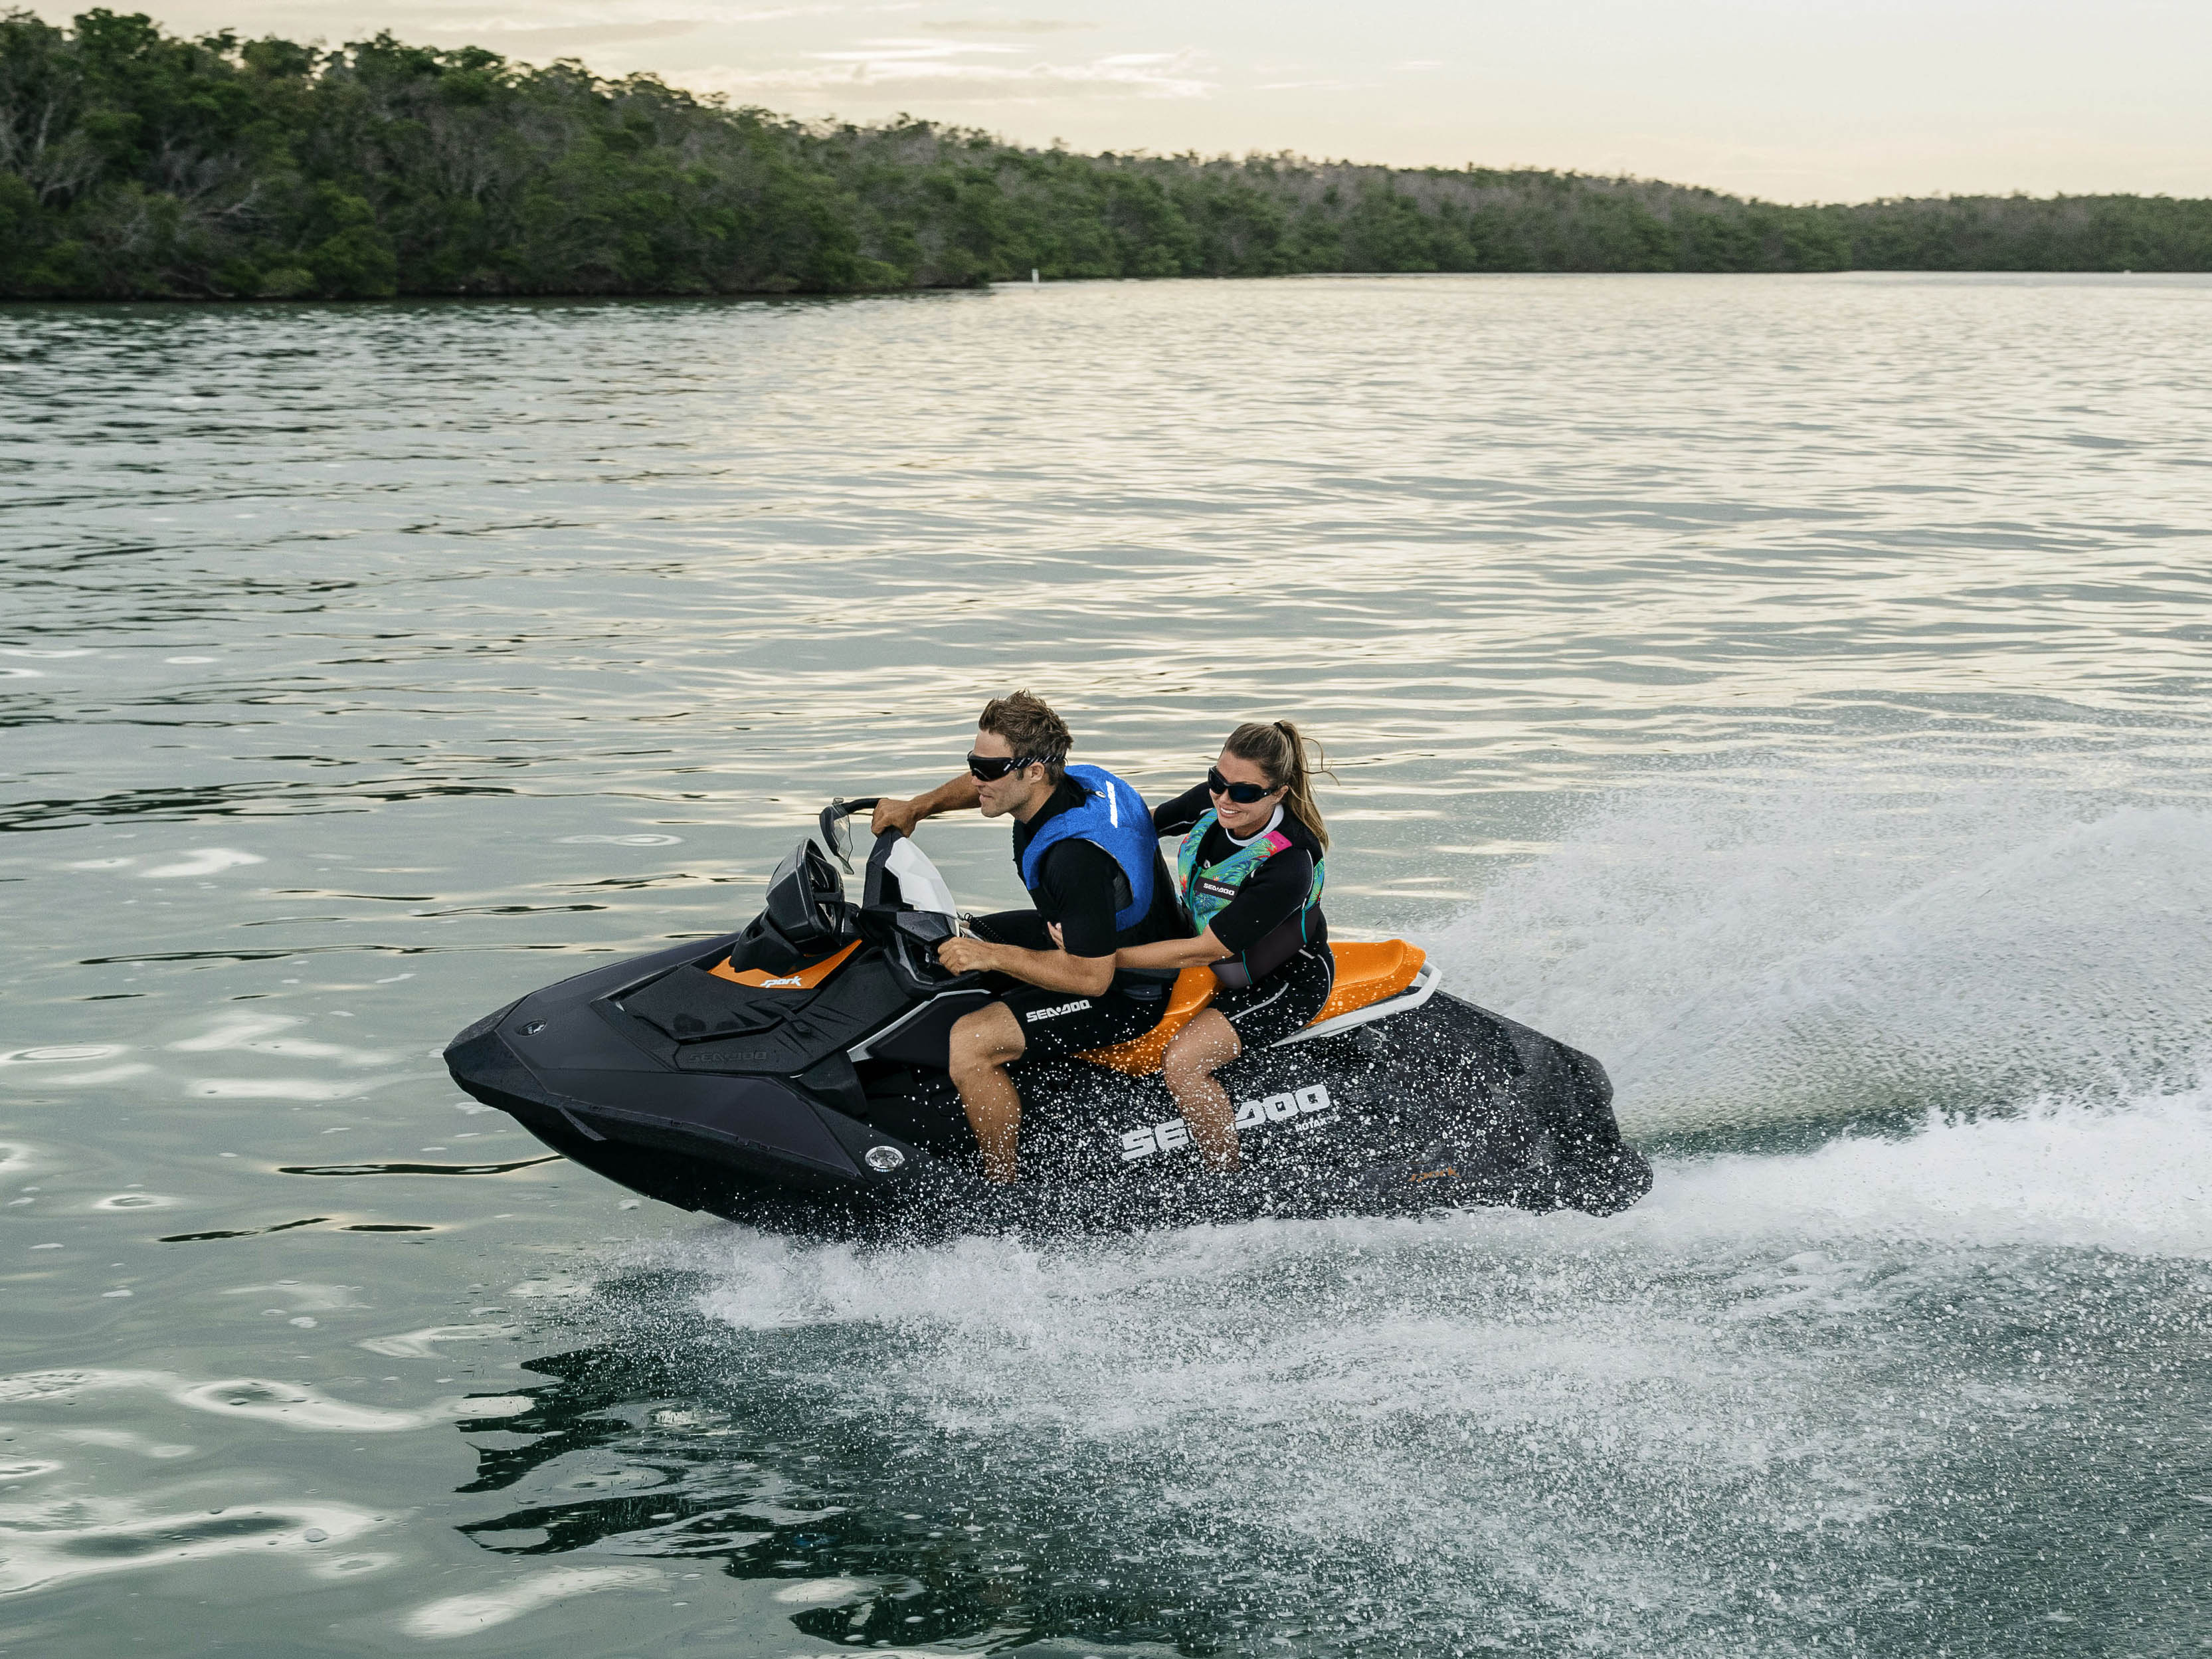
(1207, 890)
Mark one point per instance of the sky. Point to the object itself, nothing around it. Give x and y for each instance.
(1794, 100)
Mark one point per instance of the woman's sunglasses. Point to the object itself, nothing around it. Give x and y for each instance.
(989, 768)
(1242, 793)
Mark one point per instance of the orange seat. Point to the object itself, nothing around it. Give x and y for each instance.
(1141, 1056)
(1366, 974)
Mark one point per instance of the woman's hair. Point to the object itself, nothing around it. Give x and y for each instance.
(1279, 749)
(1032, 730)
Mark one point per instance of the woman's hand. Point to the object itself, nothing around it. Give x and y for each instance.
(1174, 953)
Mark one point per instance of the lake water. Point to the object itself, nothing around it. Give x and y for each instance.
(1791, 690)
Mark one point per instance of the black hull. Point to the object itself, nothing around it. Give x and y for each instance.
(1439, 1106)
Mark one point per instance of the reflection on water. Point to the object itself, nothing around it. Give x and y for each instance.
(397, 1168)
(1790, 690)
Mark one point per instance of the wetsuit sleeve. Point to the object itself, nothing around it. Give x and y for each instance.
(1022, 927)
(1179, 814)
(1270, 895)
(1077, 879)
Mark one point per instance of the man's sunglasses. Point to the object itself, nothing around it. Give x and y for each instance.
(989, 768)
(1242, 793)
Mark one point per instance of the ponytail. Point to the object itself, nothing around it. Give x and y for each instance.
(1279, 749)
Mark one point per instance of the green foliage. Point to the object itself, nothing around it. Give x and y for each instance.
(135, 164)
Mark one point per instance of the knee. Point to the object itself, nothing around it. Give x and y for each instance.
(1186, 1063)
(967, 1056)
(973, 1048)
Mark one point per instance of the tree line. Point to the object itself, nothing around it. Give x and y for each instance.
(137, 164)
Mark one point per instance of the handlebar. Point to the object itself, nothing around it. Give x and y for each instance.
(912, 939)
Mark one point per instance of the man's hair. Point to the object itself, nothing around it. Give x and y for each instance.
(1032, 730)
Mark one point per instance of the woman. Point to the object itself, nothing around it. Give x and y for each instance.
(1250, 872)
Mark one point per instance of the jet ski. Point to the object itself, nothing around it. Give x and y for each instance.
(791, 1076)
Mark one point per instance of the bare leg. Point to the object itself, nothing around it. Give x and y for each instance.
(1208, 1042)
(982, 1042)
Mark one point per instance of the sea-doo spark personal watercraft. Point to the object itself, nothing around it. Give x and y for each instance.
(792, 1076)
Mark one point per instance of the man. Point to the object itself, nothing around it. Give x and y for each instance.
(1083, 844)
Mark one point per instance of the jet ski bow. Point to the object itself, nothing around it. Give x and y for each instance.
(791, 1075)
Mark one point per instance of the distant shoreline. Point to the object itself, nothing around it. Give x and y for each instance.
(9, 301)
(142, 166)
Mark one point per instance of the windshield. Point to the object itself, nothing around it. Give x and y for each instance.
(899, 872)
(920, 883)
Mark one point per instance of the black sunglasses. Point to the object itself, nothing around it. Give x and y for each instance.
(1242, 793)
(989, 768)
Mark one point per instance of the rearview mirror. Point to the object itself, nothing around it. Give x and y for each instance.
(836, 827)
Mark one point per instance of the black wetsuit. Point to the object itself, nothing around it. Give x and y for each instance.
(1287, 996)
(1076, 882)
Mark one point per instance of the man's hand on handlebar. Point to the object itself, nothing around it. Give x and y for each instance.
(967, 955)
(900, 815)
(951, 796)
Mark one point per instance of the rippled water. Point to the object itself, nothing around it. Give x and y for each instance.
(1791, 690)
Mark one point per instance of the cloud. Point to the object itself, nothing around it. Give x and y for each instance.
(588, 21)
(897, 52)
(950, 72)
(512, 38)
(1003, 26)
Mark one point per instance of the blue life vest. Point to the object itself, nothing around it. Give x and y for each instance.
(1207, 890)
(1114, 817)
